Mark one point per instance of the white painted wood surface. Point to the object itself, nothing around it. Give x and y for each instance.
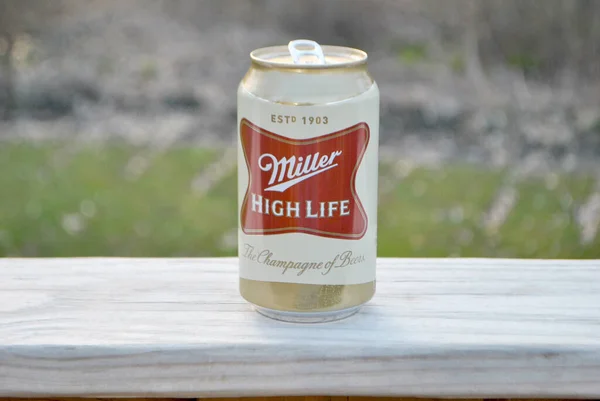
(178, 328)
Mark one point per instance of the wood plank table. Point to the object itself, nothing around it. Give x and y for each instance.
(177, 328)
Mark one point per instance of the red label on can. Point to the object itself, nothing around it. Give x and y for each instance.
(303, 185)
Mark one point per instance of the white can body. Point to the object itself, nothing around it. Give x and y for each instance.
(307, 188)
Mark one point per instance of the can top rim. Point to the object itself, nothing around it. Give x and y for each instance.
(335, 57)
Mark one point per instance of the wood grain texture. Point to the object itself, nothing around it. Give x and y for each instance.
(178, 328)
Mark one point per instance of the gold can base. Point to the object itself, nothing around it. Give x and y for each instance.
(307, 317)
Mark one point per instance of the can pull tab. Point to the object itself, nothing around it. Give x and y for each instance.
(302, 47)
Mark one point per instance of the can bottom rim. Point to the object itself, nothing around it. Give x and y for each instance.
(307, 317)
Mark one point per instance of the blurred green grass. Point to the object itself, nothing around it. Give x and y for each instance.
(111, 200)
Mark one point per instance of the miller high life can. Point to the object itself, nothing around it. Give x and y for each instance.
(308, 133)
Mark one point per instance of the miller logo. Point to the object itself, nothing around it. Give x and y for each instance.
(303, 185)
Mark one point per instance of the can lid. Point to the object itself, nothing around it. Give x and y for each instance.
(307, 54)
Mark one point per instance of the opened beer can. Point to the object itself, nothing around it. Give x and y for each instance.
(308, 133)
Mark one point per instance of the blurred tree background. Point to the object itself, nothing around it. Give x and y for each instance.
(117, 122)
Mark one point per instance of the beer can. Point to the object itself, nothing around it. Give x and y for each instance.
(308, 133)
